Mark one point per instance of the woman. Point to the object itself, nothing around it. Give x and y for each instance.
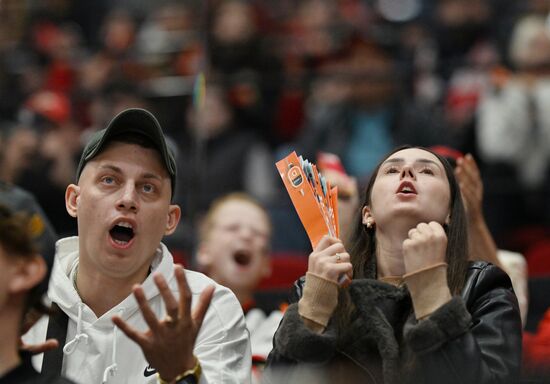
(416, 310)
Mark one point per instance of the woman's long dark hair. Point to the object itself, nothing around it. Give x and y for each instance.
(362, 243)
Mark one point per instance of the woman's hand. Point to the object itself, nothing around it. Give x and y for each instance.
(330, 260)
(425, 246)
(328, 267)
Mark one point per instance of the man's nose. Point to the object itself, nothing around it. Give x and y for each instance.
(128, 199)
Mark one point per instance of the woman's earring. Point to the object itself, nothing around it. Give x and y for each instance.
(370, 224)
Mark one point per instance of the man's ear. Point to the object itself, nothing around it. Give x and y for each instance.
(72, 194)
(174, 215)
(29, 272)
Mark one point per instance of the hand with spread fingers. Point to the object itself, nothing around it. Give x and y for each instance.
(168, 344)
(425, 246)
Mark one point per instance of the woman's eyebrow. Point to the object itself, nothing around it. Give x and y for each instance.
(421, 160)
(426, 161)
(394, 160)
(431, 162)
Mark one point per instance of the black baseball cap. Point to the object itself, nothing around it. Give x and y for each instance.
(133, 121)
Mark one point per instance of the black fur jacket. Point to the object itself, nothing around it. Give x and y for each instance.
(473, 339)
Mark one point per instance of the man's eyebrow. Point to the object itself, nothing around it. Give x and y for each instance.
(151, 176)
(116, 169)
(111, 167)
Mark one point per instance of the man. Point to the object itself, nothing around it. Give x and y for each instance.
(23, 282)
(122, 203)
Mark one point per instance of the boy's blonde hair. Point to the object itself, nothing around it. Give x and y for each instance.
(208, 220)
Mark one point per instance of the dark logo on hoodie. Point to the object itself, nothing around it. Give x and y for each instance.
(149, 371)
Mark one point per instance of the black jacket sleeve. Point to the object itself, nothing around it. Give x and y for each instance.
(475, 338)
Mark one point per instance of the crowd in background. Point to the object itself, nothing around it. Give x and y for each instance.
(351, 77)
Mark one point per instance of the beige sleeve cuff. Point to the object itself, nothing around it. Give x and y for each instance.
(318, 302)
(429, 289)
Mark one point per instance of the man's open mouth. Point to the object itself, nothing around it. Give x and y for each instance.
(122, 233)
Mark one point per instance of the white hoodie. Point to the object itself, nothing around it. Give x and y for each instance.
(96, 351)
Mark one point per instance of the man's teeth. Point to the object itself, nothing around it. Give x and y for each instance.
(125, 224)
(120, 242)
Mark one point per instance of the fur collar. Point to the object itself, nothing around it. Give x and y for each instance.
(381, 310)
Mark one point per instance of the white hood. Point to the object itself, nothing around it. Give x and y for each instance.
(95, 351)
(62, 291)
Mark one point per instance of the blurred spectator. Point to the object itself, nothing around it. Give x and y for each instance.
(481, 243)
(24, 280)
(217, 157)
(452, 57)
(234, 251)
(536, 352)
(355, 110)
(540, 7)
(514, 125)
(18, 147)
(169, 42)
(116, 58)
(114, 97)
(54, 165)
(312, 34)
(239, 53)
(459, 28)
(18, 199)
(63, 53)
(234, 245)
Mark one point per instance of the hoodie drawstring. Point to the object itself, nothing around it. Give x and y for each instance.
(70, 347)
(111, 369)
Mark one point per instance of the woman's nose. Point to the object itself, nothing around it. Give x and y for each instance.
(408, 172)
